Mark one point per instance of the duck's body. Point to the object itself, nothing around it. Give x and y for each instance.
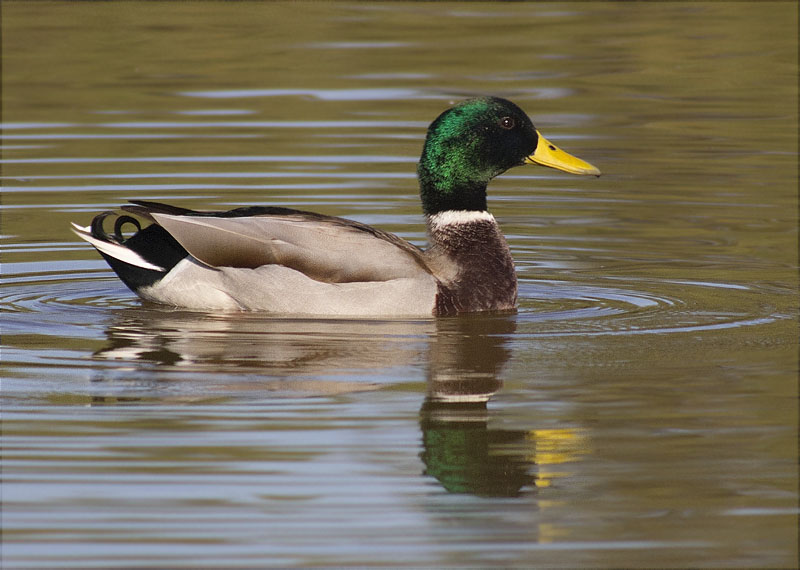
(291, 262)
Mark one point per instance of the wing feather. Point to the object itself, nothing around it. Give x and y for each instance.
(325, 248)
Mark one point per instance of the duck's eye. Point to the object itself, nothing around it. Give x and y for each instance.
(507, 122)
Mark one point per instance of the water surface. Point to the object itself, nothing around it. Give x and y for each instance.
(639, 409)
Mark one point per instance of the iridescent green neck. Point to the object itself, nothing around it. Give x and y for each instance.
(441, 193)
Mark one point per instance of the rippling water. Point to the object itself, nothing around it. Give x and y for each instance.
(639, 409)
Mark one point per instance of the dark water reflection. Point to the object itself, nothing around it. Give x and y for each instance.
(460, 449)
(466, 456)
(639, 410)
(463, 357)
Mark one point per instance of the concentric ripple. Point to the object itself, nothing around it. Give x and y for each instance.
(639, 306)
(53, 301)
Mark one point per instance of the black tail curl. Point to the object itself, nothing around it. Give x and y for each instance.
(118, 236)
(153, 244)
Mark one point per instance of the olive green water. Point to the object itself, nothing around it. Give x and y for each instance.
(640, 409)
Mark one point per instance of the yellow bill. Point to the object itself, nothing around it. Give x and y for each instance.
(548, 154)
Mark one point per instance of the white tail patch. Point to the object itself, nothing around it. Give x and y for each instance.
(115, 250)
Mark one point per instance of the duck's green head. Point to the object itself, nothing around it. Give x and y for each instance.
(473, 142)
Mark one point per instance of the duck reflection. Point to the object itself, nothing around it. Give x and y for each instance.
(261, 353)
(247, 352)
(459, 448)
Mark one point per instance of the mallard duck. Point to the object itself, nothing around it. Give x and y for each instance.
(291, 262)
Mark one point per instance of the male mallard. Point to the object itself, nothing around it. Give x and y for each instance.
(292, 262)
